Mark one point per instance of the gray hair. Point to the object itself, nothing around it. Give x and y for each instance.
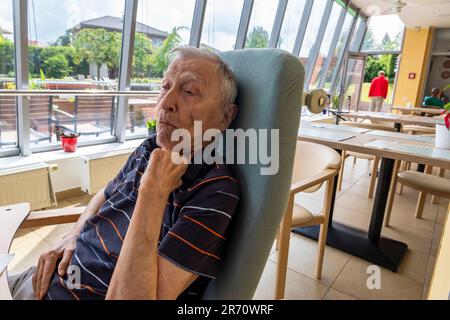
(381, 73)
(229, 83)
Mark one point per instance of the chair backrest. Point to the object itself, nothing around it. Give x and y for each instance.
(8, 114)
(100, 108)
(270, 90)
(311, 159)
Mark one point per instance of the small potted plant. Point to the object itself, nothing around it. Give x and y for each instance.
(443, 132)
(69, 141)
(151, 126)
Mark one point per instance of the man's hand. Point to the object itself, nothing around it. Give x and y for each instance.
(48, 262)
(162, 175)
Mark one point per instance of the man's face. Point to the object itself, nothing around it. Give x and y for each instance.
(191, 91)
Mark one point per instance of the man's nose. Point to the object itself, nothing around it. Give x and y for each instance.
(169, 102)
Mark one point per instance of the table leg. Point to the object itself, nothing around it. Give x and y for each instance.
(398, 126)
(369, 246)
(420, 167)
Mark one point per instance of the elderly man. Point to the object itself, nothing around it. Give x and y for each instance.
(156, 231)
(378, 91)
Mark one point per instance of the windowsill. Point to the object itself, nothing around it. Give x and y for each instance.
(52, 156)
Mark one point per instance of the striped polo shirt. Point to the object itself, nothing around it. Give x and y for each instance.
(193, 232)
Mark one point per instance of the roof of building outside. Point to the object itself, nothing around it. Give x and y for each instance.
(4, 31)
(115, 23)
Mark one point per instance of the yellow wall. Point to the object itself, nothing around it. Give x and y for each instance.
(414, 59)
(440, 284)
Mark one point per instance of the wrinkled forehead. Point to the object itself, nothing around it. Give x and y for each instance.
(198, 70)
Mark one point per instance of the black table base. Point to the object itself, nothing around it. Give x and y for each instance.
(385, 253)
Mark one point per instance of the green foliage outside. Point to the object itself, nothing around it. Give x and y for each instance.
(385, 63)
(258, 38)
(160, 58)
(72, 53)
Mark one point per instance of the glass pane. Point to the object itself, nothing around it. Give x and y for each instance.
(312, 29)
(73, 45)
(221, 24)
(359, 28)
(161, 26)
(385, 33)
(261, 23)
(8, 114)
(338, 50)
(291, 23)
(325, 46)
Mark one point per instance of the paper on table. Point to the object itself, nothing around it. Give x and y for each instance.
(428, 152)
(405, 136)
(337, 127)
(331, 136)
(5, 259)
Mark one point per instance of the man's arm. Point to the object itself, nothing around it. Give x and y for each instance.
(63, 250)
(140, 272)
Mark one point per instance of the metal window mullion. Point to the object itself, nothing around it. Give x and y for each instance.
(334, 43)
(278, 23)
(362, 35)
(342, 54)
(197, 23)
(126, 59)
(243, 24)
(302, 27)
(20, 16)
(313, 54)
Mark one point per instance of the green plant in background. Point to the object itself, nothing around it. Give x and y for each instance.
(447, 110)
(151, 124)
(335, 102)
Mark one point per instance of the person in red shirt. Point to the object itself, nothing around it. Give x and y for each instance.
(378, 91)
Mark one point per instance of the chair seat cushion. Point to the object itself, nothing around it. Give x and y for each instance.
(302, 216)
(426, 181)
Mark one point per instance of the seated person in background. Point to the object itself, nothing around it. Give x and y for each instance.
(157, 231)
(435, 99)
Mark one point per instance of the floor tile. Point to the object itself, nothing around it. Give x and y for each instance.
(333, 294)
(298, 287)
(302, 259)
(353, 281)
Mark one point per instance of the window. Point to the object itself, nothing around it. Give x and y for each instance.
(221, 24)
(8, 114)
(343, 37)
(312, 29)
(261, 23)
(291, 22)
(385, 33)
(325, 46)
(73, 46)
(160, 27)
(357, 36)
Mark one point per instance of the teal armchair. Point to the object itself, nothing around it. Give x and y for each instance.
(270, 94)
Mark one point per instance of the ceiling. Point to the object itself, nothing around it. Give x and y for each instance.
(417, 13)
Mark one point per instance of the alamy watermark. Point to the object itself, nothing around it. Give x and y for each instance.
(241, 147)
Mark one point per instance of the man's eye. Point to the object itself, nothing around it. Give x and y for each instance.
(189, 92)
(166, 87)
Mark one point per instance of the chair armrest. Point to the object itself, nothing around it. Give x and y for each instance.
(310, 182)
(55, 108)
(43, 218)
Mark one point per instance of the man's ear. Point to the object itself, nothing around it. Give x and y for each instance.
(229, 115)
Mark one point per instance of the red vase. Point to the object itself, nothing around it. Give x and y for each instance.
(69, 144)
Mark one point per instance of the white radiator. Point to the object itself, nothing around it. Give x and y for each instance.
(30, 184)
(98, 170)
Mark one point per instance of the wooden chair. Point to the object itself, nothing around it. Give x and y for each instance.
(8, 118)
(314, 165)
(424, 182)
(92, 115)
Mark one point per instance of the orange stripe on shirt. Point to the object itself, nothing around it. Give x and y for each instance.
(103, 243)
(84, 286)
(113, 225)
(212, 179)
(191, 245)
(203, 226)
(73, 293)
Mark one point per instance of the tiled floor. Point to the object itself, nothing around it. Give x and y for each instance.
(344, 276)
